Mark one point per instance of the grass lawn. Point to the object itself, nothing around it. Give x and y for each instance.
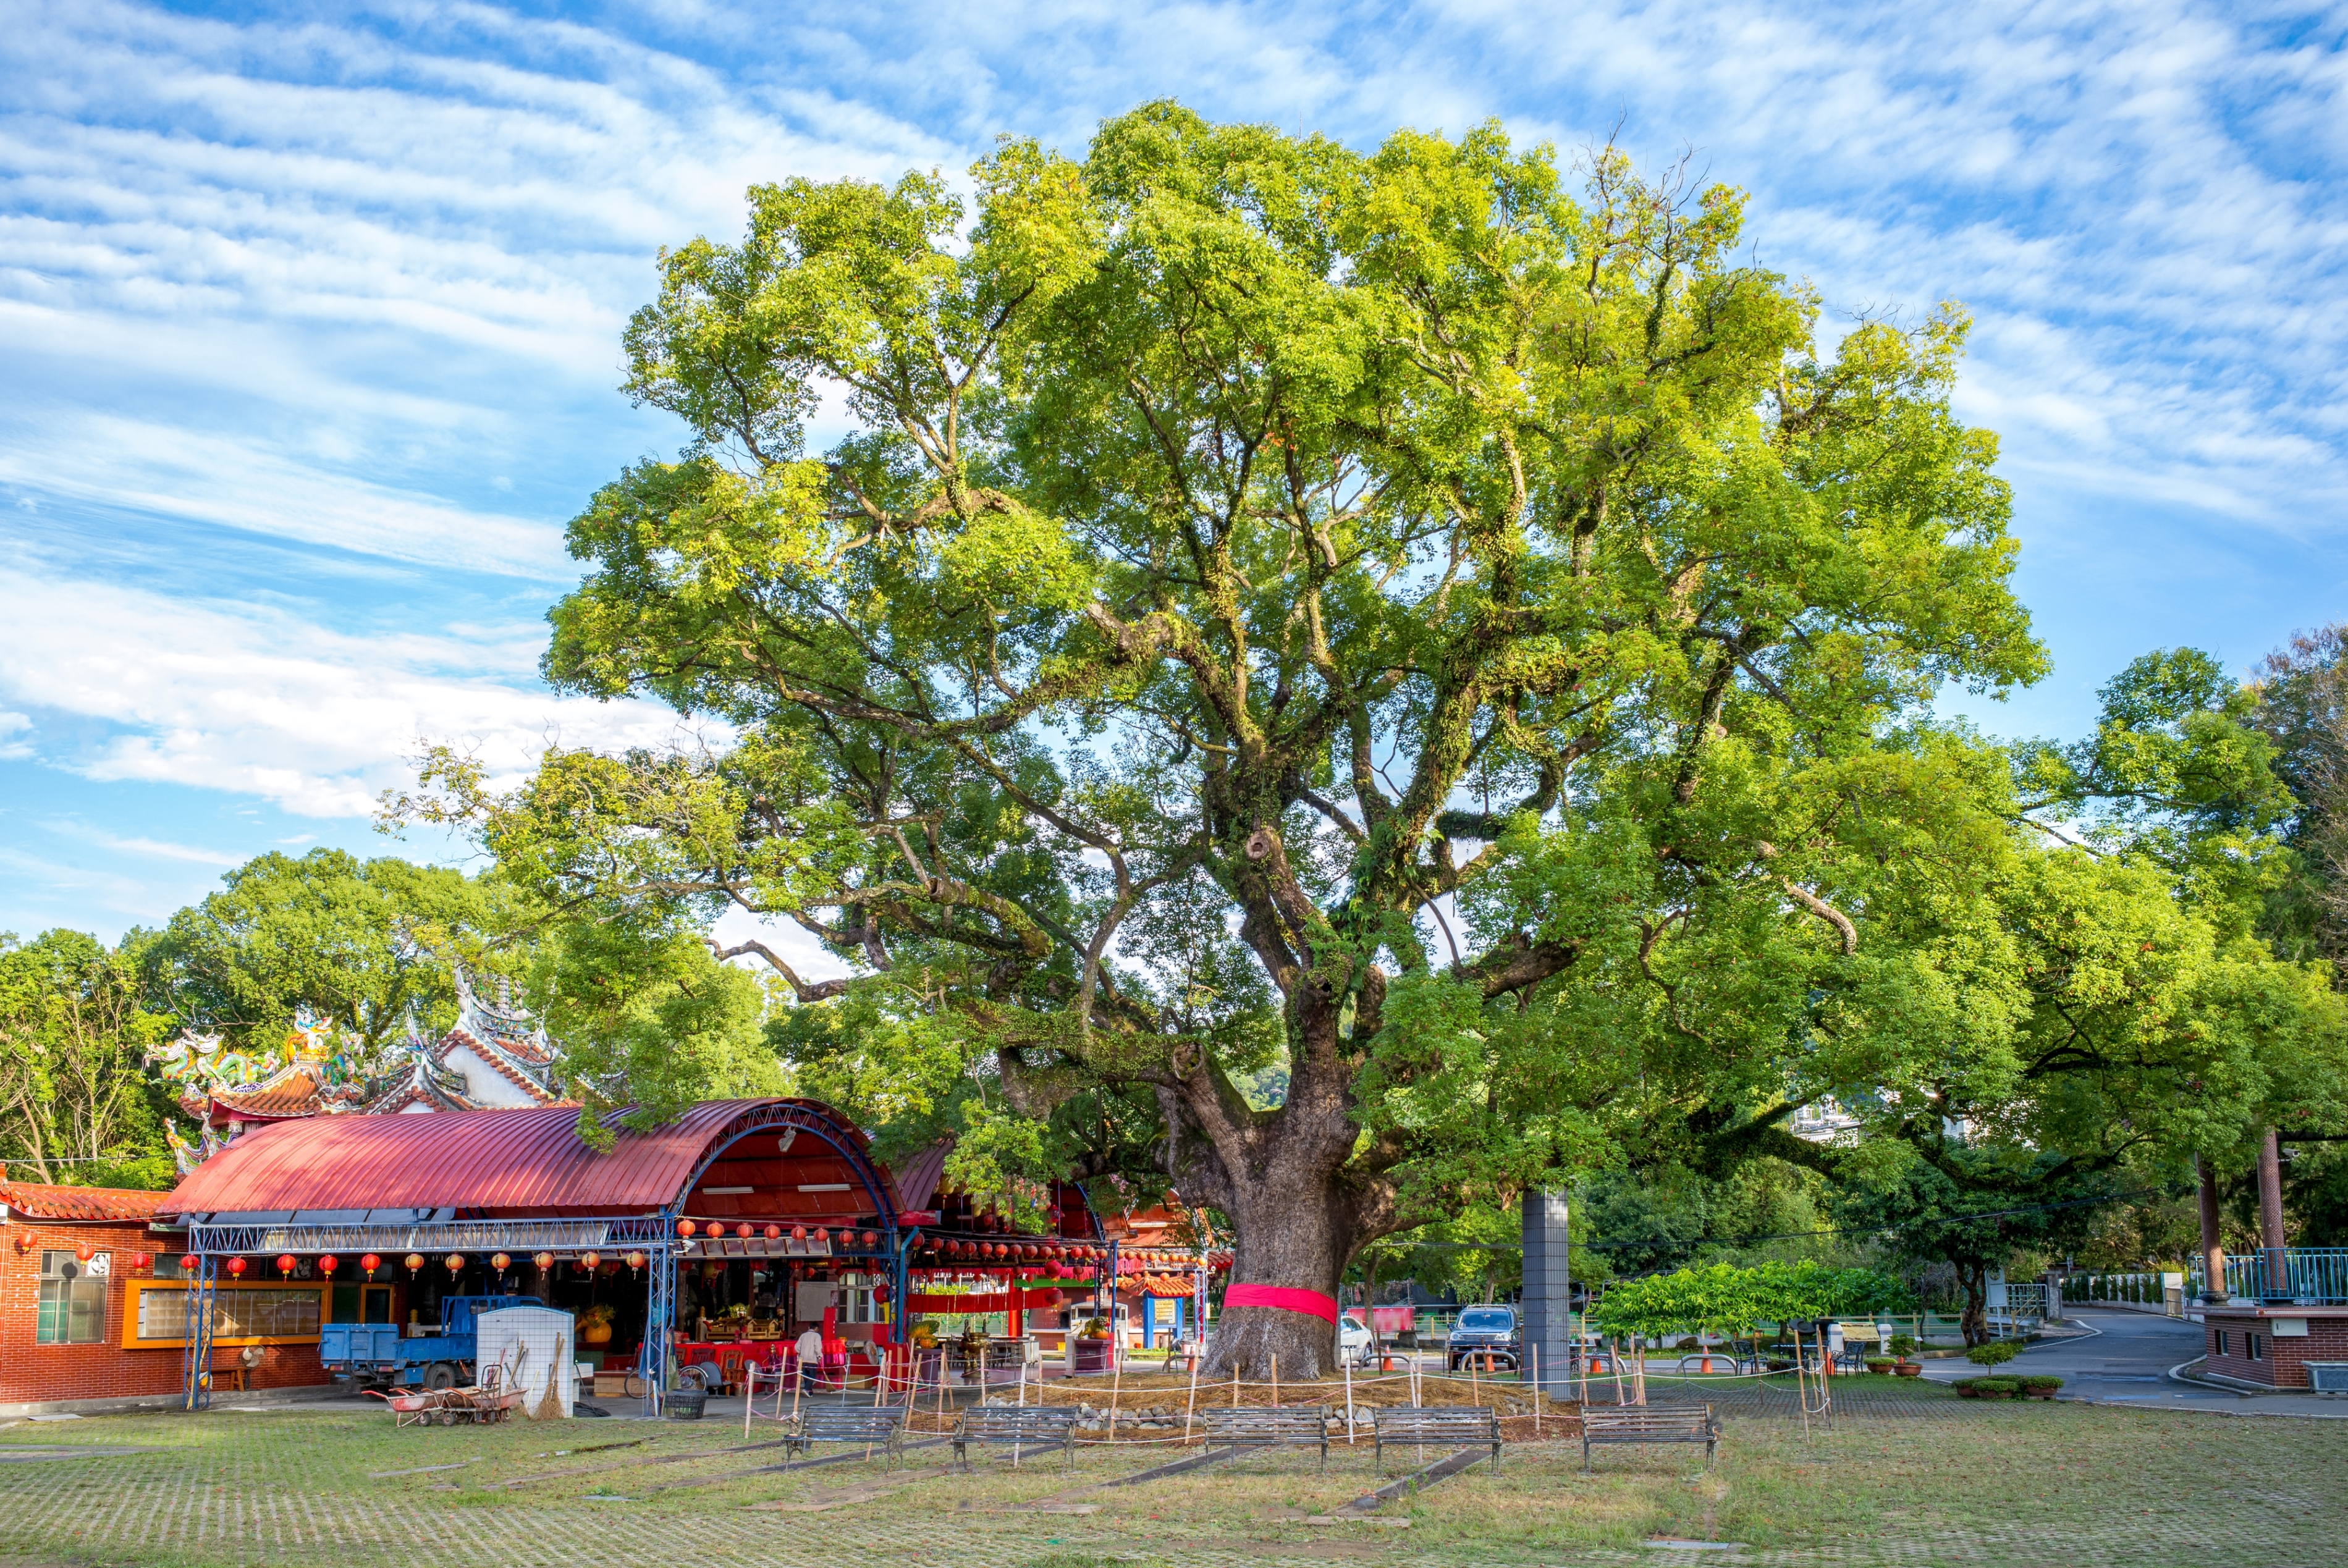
(2070, 1484)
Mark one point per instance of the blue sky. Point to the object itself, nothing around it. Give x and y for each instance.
(309, 321)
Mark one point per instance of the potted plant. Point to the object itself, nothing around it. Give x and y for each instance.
(1996, 1387)
(1879, 1364)
(595, 1325)
(1995, 1353)
(2040, 1387)
(1904, 1356)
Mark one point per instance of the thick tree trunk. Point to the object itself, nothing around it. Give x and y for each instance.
(1282, 1178)
(1973, 1324)
(1295, 1239)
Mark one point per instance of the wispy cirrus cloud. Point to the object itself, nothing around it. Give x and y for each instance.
(262, 704)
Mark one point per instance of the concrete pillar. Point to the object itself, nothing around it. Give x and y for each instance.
(2271, 1236)
(1548, 1298)
(2213, 1251)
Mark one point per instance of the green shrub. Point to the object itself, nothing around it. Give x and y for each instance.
(2040, 1382)
(1996, 1352)
(1903, 1345)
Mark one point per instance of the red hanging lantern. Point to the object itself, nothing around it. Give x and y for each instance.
(285, 1265)
(685, 1228)
(499, 1261)
(190, 1264)
(328, 1264)
(881, 1292)
(455, 1263)
(414, 1260)
(370, 1263)
(588, 1261)
(236, 1267)
(822, 1236)
(773, 1234)
(636, 1262)
(84, 1251)
(871, 1238)
(141, 1260)
(544, 1261)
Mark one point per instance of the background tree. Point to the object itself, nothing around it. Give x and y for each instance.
(1971, 1205)
(370, 947)
(76, 1103)
(1244, 548)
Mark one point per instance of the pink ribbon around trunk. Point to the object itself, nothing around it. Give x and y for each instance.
(1311, 1302)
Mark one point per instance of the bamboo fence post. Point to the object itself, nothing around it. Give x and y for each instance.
(1614, 1365)
(1534, 1351)
(1275, 1380)
(1116, 1376)
(1235, 1384)
(1348, 1365)
(1191, 1404)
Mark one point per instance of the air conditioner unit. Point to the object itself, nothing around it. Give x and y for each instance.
(2328, 1376)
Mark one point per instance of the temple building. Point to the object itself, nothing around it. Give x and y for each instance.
(495, 1058)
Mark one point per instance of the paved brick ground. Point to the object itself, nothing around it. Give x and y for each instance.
(2082, 1487)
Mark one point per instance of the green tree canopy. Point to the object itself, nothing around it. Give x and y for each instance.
(368, 947)
(1244, 550)
(76, 1103)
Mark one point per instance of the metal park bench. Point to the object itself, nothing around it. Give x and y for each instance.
(1270, 1426)
(1650, 1424)
(1444, 1425)
(874, 1426)
(1017, 1426)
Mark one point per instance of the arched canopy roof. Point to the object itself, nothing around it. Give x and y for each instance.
(765, 1158)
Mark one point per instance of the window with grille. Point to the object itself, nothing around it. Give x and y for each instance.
(73, 1299)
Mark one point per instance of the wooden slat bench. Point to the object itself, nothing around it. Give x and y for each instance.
(1270, 1426)
(1650, 1424)
(874, 1426)
(1440, 1426)
(1017, 1428)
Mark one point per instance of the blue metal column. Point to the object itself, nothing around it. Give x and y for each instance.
(651, 1359)
(196, 1364)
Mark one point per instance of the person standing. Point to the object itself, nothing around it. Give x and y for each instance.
(810, 1350)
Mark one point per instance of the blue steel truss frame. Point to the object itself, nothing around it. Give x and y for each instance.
(196, 1362)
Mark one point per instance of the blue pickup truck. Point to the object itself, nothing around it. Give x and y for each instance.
(378, 1355)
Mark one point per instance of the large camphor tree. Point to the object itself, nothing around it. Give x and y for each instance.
(1388, 612)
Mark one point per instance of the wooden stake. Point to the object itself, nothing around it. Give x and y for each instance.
(1349, 1393)
(1116, 1376)
(1235, 1384)
(1534, 1351)
(1275, 1380)
(1614, 1365)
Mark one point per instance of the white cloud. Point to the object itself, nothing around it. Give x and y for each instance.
(15, 731)
(257, 702)
(152, 849)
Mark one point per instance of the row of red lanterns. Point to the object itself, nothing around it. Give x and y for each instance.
(1056, 1251)
(715, 1231)
(328, 1264)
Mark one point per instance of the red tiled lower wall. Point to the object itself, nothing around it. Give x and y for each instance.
(32, 1372)
(2284, 1362)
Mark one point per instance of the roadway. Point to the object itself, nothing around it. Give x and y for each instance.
(2124, 1360)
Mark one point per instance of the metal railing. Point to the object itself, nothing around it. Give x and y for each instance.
(2308, 1276)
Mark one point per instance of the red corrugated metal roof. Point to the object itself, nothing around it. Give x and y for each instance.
(917, 1177)
(39, 1201)
(507, 1161)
